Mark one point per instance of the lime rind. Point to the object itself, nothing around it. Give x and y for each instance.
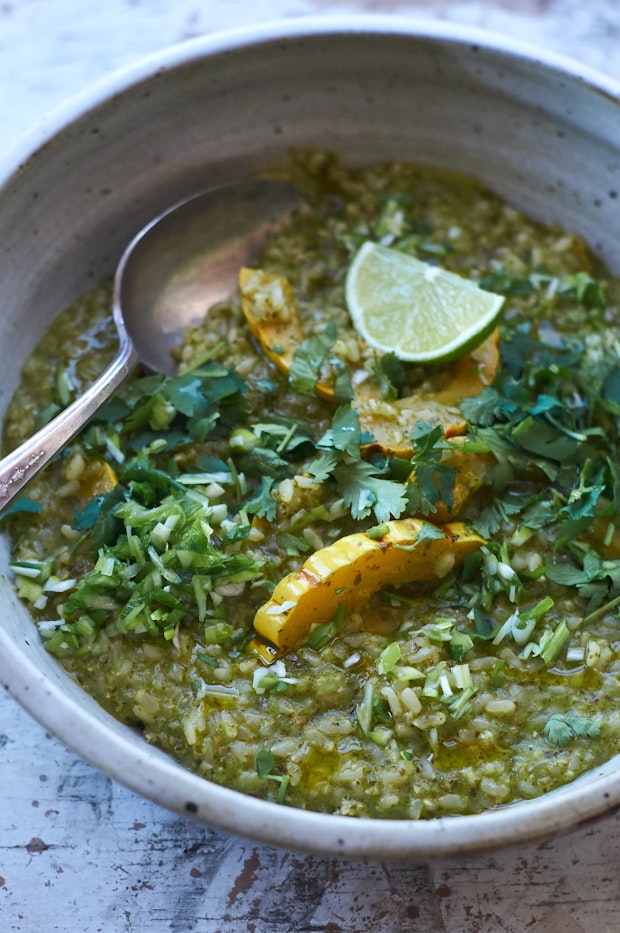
(420, 312)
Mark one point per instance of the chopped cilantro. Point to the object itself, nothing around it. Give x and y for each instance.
(586, 290)
(389, 658)
(391, 374)
(560, 729)
(308, 360)
(505, 283)
(345, 433)
(20, 506)
(365, 491)
(265, 763)
(430, 481)
(364, 708)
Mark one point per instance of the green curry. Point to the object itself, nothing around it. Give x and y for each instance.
(148, 548)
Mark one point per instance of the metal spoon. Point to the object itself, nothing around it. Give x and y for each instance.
(176, 267)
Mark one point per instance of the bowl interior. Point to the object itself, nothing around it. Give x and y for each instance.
(215, 111)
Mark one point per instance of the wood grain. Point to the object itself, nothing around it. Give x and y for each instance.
(80, 852)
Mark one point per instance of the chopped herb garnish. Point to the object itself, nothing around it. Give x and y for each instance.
(265, 763)
(308, 360)
(560, 729)
(20, 506)
(320, 635)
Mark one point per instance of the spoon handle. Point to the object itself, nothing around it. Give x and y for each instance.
(25, 461)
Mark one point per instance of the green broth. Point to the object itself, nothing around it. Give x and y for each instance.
(332, 729)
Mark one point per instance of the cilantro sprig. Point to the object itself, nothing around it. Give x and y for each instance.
(385, 487)
(541, 416)
(562, 728)
(265, 765)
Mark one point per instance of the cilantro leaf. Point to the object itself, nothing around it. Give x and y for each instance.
(584, 496)
(308, 359)
(85, 518)
(490, 519)
(560, 729)
(323, 466)
(21, 505)
(430, 481)
(364, 491)
(486, 407)
(263, 504)
(265, 762)
(587, 291)
(345, 433)
(546, 441)
(391, 374)
(429, 532)
(502, 281)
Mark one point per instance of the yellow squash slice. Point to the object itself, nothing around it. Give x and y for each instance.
(471, 469)
(273, 317)
(349, 571)
(96, 479)
(271, 311)
(392, 423)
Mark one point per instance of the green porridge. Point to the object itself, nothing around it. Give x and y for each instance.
(249, 486)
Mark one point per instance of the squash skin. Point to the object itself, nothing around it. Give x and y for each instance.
(351, 570)
(273, 317)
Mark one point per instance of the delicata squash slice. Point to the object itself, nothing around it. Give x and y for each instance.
(352, 569)
(271, 311)
(273, 317)
(272, 314)
(471, 469)
(391, 423)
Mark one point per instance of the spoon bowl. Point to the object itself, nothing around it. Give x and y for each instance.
(172, 272)
(188, 258)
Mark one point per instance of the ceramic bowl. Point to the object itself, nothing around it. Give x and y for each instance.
(543, 132)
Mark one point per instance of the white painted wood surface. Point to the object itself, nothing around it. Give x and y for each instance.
(80, 853)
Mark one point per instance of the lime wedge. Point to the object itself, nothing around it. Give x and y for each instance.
(418, 311)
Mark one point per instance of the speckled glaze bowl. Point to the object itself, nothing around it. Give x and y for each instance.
(543, 132)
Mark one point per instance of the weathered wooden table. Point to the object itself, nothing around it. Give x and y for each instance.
(80, 853)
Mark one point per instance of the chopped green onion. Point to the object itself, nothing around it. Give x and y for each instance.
(506, 628)
(322, 634)
(460, 644)
(558, 639)
(522, 629)
(388, 658)
(431, 685)
(496, 677)
(22, 568)
(380, 736)
(462, 676)
(217, 633)
(460, 704)
(406, 672)
(378, 531)
(363, 710)
(440, 630)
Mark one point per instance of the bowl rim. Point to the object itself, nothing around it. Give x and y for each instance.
(63, 114)
(112, 748)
